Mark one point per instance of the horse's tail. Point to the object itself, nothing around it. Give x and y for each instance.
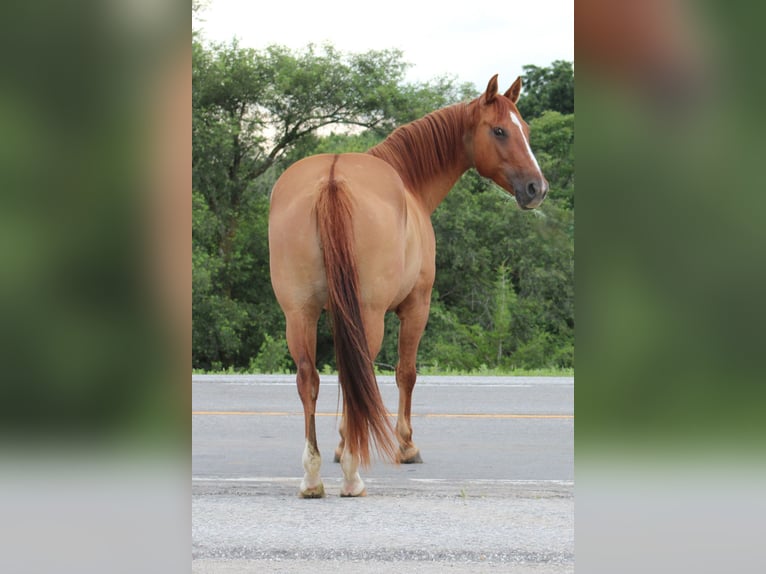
(365, 414)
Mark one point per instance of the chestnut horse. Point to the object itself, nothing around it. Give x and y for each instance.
(351, 233)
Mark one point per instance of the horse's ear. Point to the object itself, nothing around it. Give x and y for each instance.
(491, 92)
(514, 91)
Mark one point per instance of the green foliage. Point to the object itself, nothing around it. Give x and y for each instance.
(504, 283)
(552, 138)
(272, 356)
(550, 88)
(497, 371)
(503, 297)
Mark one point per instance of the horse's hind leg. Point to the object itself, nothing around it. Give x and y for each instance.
(349, 462)
(413, 314)
(301, 340)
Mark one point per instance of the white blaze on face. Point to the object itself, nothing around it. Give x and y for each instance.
(517, 122)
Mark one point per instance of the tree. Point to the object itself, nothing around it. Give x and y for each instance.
(486, 246)
(552, 138)
(550, 88)
(503, 294)
(253, 112)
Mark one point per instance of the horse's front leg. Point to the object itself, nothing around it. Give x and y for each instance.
(413, 314)
(405, 380)
(342, 444)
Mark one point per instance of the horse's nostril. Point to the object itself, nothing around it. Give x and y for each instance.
(531, 189)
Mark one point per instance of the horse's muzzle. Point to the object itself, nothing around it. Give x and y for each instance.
(530, 193)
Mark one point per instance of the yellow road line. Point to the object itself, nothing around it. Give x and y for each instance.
(427, 415)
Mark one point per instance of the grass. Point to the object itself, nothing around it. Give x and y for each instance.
(425, 371)
(499, 372)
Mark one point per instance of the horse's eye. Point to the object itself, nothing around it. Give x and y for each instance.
(499, 132)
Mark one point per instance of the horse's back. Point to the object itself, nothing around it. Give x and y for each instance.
(378, 220)
(367, 178)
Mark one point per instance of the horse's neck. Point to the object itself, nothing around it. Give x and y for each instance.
(429, 154)
(433, 193)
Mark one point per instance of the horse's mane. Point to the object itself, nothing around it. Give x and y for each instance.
(425, 147)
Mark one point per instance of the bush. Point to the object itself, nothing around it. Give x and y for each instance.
(535, 353)
(273, 357)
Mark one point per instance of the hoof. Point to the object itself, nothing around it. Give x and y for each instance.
(314, 492)
(410, 456)
(351, 495)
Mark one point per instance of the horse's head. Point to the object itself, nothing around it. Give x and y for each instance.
(500, 145)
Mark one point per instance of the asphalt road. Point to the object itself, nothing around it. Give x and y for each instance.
(494, 493)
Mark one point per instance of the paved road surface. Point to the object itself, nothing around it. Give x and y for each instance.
(494, 494)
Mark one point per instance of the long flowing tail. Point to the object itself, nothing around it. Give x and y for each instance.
(366, 415)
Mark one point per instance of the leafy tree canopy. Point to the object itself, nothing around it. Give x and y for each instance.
(503, 295)
(549, 88)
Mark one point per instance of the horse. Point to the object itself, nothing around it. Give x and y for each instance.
(351, 234)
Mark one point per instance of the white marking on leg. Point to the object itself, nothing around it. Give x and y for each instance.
(312, 462)
(517, 122)
(352, 482)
